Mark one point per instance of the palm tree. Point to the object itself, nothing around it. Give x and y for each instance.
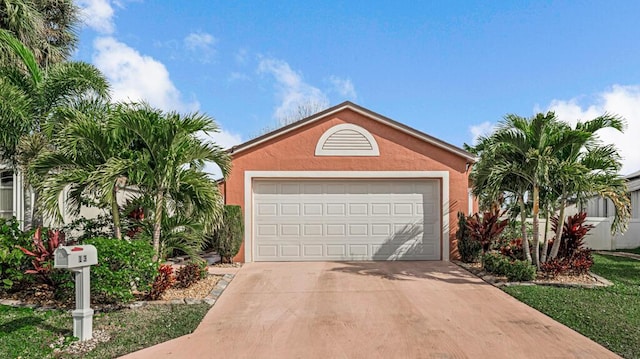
(46, 27)
(524, 150)
(30, 97)
(168, 163)
(587, 168)
(84, 163)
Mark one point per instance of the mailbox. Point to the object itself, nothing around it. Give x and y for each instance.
(75, 256)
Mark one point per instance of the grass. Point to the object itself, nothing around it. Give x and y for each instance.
(633, 250)
(609, 316)
(27, 333)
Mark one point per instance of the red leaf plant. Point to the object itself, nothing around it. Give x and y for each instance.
(42, 254)
(487, 228)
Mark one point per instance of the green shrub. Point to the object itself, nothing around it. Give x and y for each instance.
(123, 266)
(13, 262)
(494, 262)
(468, 249)
(520, 271)
(515, 271)
(228, 238)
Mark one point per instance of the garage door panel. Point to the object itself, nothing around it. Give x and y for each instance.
(346, 220)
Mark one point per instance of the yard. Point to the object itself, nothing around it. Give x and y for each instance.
(610, 316)
(27, 333)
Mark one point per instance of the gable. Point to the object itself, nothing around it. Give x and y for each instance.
(365, 113)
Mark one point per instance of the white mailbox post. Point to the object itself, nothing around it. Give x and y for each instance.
(79, 259)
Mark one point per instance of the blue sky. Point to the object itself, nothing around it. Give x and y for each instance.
(451, 69)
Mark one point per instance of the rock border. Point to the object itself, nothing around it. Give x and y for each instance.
(210, 299)
(599, 282)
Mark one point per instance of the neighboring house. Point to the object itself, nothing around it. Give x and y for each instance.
(14, 201)
(348, 184)
(600, 212)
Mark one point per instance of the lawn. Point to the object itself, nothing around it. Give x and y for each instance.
(28, 333)
(609, 316)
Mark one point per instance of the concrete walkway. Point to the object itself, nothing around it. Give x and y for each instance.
(371, 310)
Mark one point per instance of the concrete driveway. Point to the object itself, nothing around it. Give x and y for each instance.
(371, 310)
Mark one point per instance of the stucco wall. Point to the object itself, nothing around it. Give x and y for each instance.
(295, 151)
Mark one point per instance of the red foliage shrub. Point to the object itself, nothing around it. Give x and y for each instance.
(188, 275)
(164, 280)
(486, 230)
(137, 215)
(42, 255)
(573, 232)
(579, 263)
(513, 249)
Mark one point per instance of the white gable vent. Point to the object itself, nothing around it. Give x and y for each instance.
(347, 140)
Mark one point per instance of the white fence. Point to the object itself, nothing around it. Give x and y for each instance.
(600, 237)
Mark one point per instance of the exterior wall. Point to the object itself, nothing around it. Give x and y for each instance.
(295, 151)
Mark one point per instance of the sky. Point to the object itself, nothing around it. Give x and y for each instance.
(451, 69)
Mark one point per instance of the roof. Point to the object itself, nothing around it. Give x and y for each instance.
(633, 175)
(363, 111)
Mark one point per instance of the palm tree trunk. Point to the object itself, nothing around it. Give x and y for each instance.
(115, 213)
(523, 228)
(157, 225)
(545, 243)
(36, 216)
(556, 244)
(536, 225)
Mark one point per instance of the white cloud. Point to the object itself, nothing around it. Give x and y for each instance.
(293, 92)
(344, 87)
(619, 100)
(202, 43)
(136, 77)
(482, 129)
(97, 14)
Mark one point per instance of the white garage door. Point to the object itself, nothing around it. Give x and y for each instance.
(302, 220)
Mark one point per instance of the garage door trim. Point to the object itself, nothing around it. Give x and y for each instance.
(249, 177)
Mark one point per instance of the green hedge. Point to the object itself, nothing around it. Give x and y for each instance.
(123, 266)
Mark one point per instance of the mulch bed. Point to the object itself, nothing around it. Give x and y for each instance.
(589, 280)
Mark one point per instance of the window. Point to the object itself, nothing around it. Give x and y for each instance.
(6, 194)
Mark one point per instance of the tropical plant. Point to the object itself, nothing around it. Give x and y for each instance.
(164, 280)
(46, 27)
(468, 249)
(574, 230)
(85, 164)
(486, 229)
(29, 96)
(169, 161)
(226, 240)
(528, 158)
(41, 253)
(589, 168)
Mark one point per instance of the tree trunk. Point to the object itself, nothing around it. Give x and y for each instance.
(36, 217)
(523, 228)
(556, 244)
(157, 225)
(536, 224)
(545, 243)
(115, 213)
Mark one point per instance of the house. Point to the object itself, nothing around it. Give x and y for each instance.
(348, 184)
(600, 212)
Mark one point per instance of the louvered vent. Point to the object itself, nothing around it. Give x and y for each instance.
(347, 140)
